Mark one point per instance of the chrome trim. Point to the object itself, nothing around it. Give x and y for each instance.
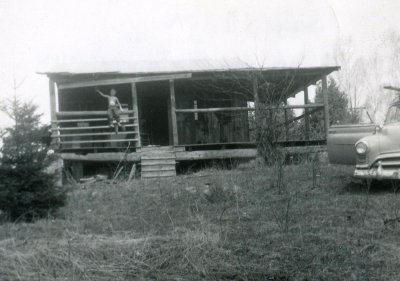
(378, 173)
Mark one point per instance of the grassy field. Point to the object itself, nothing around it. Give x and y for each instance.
(250, 223)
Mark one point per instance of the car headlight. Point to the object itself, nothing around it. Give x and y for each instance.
(361, 147)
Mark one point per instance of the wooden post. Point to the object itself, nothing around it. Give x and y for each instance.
(136, 114)
(77, 170)
(53, 105)
(257, 107)
(53, 109)
(306, 116)
(173, 112)
(326, 104)
(286, 122)
(170, 136)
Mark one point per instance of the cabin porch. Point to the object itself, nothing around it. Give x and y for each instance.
(199, 116)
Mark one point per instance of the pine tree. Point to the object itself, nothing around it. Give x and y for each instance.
(338, 103)
(26, 192)
(25, 143)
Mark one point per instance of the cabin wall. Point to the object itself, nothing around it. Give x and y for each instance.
(211, 127)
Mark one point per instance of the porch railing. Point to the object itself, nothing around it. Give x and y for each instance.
(90, 130)
(239, 125)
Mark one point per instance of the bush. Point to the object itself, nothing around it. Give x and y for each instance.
(26, 194)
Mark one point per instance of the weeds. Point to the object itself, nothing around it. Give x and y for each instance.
(315, 168)
(282, 211)
(368, 183)
(217, 225)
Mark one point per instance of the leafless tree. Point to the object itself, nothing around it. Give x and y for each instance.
(352, 72)
(363, 74)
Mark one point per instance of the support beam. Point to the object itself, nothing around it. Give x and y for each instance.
(313, 105)
(87, 113)
(257, 108)
(173, 112)
(76, 169)
(98, 141)
(302, 115)
(90, 127)
(102, 157)
(219, 109)
(53, 106)
(256, 97)
(87, 120)
(214, 109)
(306, 115)
(90, 134)
(170, 136)
(286, 123)
(136, 114)
(216, 154)
(326, 104)
(53, 109)
(126, 80)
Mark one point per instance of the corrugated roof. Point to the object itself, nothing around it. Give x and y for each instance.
(165, 66)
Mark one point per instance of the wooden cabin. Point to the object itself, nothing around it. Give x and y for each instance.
(175, 111)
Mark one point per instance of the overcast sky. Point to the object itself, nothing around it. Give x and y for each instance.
(37, 34)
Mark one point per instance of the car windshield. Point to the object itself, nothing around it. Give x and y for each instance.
(393, 114)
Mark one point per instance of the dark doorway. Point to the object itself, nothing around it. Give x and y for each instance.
(153, 101)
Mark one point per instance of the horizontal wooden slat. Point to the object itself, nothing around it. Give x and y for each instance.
(102, 157)
(300, 106)
(93, 134)
(91, 127)
(86, 120)
(88, 113)
(302, 116)
(158, 157)
(218, 109)
(158, 175)
(193, 110)
(126, 80)
(151, 162)
(90, 148)
(158, 167)
(96, 141)
(216, 154)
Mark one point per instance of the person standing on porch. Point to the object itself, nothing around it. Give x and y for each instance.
(113, 102)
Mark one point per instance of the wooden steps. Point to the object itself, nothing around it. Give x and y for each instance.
(158, 162)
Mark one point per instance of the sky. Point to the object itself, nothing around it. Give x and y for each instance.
(38, 34)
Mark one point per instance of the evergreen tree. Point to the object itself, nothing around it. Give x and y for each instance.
(338, 103)
(25, 143)
(26, 192)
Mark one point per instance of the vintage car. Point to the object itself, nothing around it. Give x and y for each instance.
(374, 150)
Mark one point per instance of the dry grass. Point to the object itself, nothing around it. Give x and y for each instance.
(243, 224)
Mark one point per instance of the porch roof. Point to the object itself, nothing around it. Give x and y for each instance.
(98, 74)
(177, 66)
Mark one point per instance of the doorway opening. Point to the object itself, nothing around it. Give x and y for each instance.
(154, 117)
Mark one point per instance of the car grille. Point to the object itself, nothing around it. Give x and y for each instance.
(389, 162)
